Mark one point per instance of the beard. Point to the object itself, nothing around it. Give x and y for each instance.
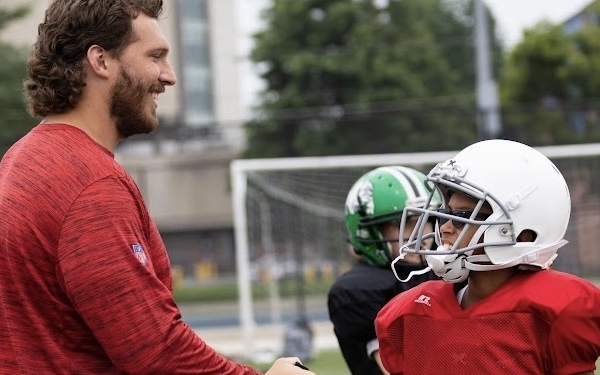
(128, 106)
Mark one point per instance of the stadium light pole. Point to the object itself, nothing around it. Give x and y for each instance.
(488, 109)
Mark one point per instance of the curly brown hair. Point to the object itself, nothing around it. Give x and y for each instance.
(55, 69)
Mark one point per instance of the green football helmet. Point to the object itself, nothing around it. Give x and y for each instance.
(379, 196)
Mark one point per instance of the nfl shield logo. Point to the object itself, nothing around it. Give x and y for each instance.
(139, 253)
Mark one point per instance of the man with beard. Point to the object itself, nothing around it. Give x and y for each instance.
(86, 285)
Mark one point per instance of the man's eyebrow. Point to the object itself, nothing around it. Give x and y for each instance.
(160, 50)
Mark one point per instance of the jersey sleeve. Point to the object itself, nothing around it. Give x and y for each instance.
(389, 328)
(108, 265)
(372, 347)
(574, 341)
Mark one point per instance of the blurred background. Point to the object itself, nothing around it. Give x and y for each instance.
(282, 104)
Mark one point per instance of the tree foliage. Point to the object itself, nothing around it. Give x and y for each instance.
(13, 117)
(551, 85)
(364, 76)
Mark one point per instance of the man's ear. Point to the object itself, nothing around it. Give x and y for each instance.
(97, 58)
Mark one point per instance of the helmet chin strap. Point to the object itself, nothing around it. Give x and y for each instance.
(411, 274)
(473, 262)
(455, 268)
(449, 267)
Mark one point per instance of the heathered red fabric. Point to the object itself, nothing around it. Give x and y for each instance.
(85, 283)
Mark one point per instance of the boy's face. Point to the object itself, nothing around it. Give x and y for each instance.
(448, 231)
(391, 230)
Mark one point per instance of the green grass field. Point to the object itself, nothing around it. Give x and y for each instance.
(325, 363)
(329, 363)
(219, 292)
(332, 363)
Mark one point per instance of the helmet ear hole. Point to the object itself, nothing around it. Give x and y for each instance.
(527, 235)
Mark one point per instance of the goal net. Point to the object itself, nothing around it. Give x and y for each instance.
(291, 241)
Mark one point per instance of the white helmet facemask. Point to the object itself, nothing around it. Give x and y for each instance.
(525, 191)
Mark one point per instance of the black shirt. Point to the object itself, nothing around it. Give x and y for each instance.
(354, 301)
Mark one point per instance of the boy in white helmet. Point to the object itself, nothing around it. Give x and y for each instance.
(499, 309)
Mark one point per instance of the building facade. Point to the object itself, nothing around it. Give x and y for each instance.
(589, 15)
(183, 169)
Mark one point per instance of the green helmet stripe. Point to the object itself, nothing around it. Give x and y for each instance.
(411, 184)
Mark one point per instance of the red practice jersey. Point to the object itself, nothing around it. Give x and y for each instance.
(544, 322)
(85, 286)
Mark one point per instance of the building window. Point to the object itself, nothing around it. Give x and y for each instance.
(195, 63)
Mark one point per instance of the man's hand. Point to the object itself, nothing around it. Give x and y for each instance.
(288, 366)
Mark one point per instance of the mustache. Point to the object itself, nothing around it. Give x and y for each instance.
(158, 88)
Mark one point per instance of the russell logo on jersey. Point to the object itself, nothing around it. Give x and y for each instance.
(424, 300)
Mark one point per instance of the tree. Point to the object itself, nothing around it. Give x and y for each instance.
(536, 66)
(364, 76)
(551, 85)
(13, 117)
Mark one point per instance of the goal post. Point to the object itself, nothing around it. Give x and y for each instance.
(289, 207)
(239, 176)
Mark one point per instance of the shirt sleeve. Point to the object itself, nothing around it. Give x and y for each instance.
(355, 320)
(372, 347)
(574, 341)
(116, 291)
(390, 333)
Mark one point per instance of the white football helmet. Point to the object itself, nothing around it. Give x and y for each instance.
(526, 192)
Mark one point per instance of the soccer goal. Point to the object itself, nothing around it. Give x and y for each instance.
(289, 223)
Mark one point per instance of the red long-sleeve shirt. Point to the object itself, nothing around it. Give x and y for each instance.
(86, 284)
